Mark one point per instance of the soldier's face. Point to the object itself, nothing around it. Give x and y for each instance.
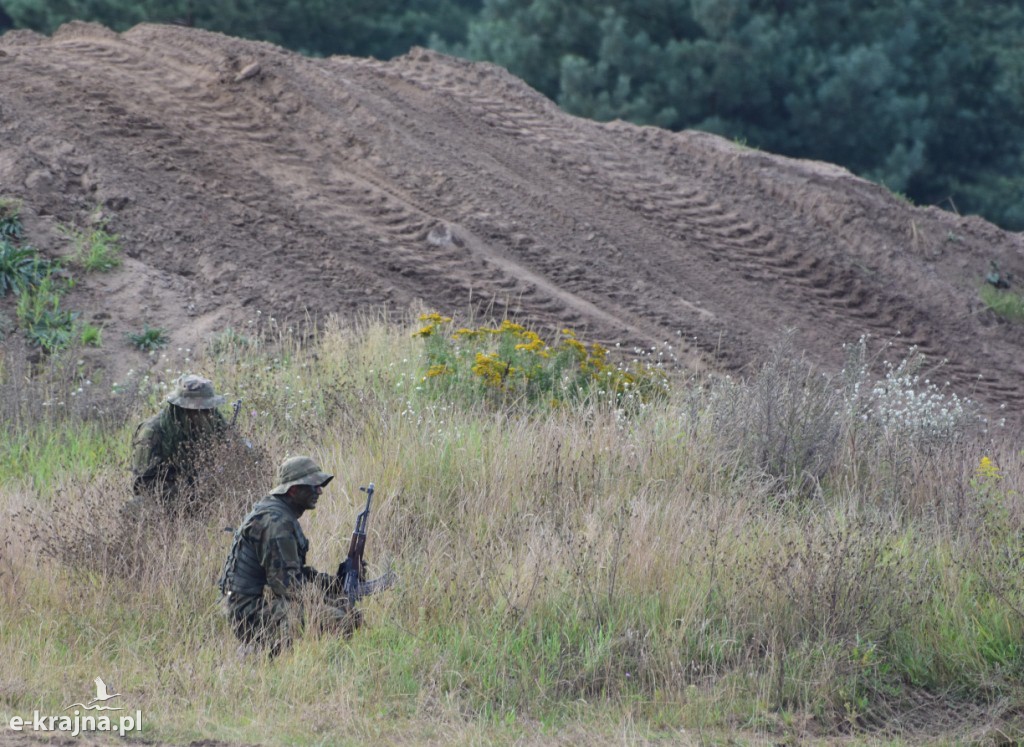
(305, 496)
(198, 419)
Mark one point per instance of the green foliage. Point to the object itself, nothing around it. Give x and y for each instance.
(150, 338)
(10, 218)
(95, 250)
(91, 335)
(509, 363)
(381, 29)
(1005, 303)
(39, 313)
(21, 267)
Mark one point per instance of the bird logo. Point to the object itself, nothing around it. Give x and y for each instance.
(101, 697)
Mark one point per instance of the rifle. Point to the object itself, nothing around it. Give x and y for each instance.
(234, 412)
(352, 570)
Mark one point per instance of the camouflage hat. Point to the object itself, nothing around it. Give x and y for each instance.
(299, 470)
(195, 393)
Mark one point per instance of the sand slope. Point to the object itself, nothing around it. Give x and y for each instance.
(243, 177)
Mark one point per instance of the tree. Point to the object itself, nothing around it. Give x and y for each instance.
(924, 96)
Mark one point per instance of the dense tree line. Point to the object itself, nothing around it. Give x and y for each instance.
(924, 96)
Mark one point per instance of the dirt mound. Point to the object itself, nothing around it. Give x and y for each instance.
(243, 177)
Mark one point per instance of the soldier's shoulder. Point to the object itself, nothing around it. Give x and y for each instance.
(271, 513)
(149, 424)
(149, 428)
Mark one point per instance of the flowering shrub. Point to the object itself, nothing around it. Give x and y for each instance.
(509, 362)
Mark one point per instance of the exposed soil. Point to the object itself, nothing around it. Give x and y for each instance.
(244, 177)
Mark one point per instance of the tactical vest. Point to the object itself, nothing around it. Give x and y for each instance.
(243, 573)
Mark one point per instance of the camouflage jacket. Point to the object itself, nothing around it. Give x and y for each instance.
(163, 457)
(269, 550)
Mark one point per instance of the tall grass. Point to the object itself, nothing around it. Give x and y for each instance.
(688, 571)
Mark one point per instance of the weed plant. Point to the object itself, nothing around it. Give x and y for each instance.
(97, 249)
(91, 335)
(10, 218)
(149, 339)
(591, 572)
(21, 267)
(46, 324)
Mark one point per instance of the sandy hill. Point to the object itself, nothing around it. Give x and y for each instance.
(244, 177)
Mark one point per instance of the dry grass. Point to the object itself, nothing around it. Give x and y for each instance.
(659, 576)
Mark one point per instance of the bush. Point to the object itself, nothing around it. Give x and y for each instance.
(786, 421)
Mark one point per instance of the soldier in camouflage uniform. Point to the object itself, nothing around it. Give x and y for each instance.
(266, 568)
(166, 447)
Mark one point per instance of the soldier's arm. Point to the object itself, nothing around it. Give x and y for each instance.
(322, 581)
(279, 556)
(147, 459)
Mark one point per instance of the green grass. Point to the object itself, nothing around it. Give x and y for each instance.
(95, 250)
(577, 574)
(1005, 303)
(91, 335)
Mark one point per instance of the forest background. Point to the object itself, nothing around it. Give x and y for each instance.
(923, 96)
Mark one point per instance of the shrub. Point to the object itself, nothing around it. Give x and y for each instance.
(785, 421)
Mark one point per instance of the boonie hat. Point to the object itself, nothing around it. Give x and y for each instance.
(299, 470)
(195, 393)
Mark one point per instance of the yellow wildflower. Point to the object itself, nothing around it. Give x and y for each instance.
(435, 318)
(987, 469)
(533, 345)
(438, 369)
(492, 369)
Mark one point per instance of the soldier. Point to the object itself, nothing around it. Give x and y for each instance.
(166, 447)
(266, 568)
